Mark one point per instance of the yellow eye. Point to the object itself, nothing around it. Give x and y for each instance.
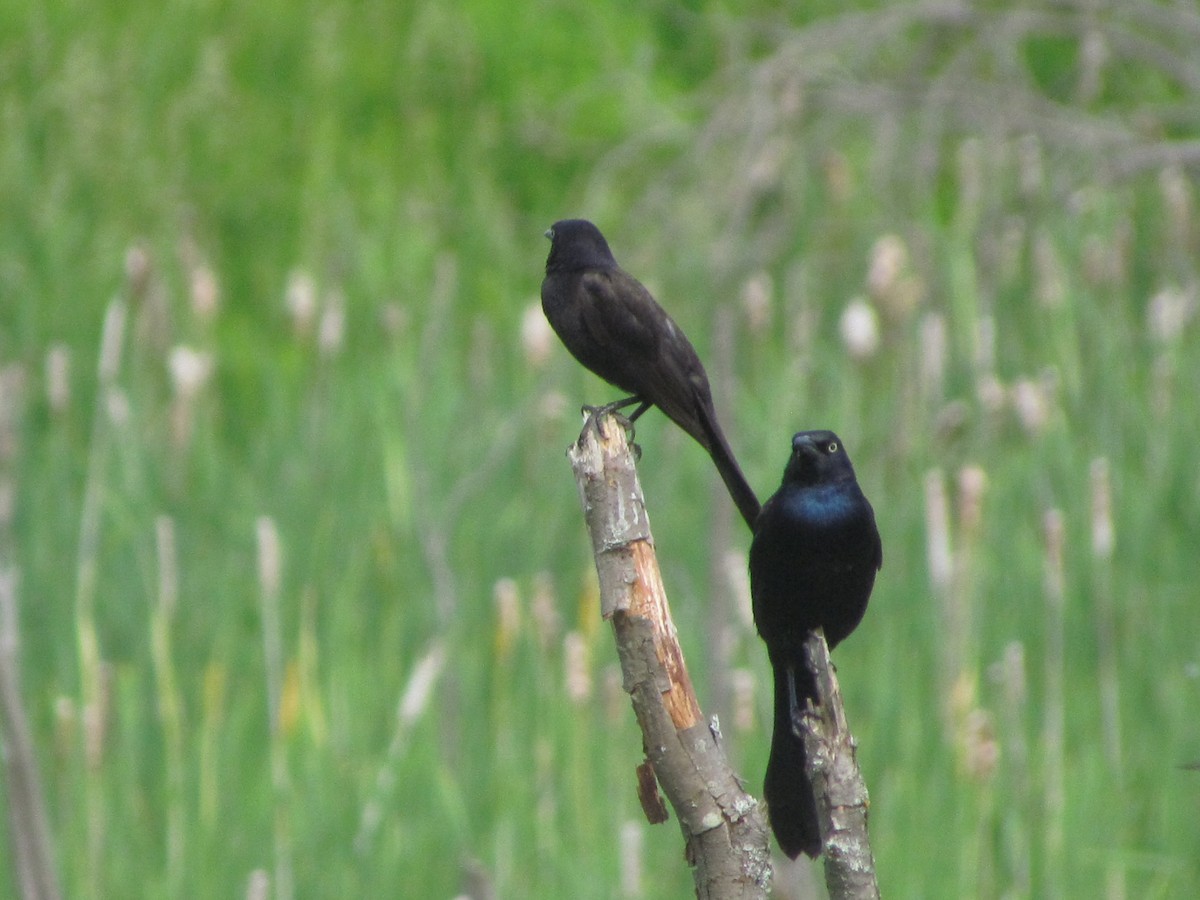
(832, 448)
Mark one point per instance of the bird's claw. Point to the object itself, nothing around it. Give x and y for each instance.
(596, 413)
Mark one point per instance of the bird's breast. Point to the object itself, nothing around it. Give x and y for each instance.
(826, 504)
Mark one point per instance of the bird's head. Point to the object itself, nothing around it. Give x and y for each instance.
(577, 244)
(818, 457)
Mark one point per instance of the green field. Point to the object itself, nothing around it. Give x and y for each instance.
(306, 602)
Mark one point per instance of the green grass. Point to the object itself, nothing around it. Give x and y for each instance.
(407, 158)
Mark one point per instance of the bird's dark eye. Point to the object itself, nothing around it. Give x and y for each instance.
(832, 447)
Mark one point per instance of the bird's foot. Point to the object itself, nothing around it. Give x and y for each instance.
(595, 414)
(617, 406)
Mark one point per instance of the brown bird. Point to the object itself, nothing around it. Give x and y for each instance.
(615, 328)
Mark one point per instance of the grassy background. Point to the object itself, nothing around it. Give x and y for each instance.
(338, 210)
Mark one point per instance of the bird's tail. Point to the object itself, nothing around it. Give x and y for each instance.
(739, 488)
(791, 806)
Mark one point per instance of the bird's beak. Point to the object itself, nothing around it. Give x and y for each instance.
(550, 233)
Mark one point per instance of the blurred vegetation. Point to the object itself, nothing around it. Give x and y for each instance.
(305, 597)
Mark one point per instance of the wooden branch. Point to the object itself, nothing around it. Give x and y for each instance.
(841, 793)
(724, 827)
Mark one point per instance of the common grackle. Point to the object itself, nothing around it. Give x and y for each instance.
(812, 564)
(611, 324)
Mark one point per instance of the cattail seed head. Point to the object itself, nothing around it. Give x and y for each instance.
(1031, 405)
(1169, 312)
(270, 557)
(757, 302)
(331, 329)
(205, 293)
(980, 748)
(190, 370)
(537, 337)
(300, 301)
(507, 600)
(1103, 532)
(933, 356)
(859, 327)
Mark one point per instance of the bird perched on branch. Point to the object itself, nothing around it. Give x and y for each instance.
(614, 327)
(812, 565)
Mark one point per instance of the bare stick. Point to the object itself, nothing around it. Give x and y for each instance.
(838, 784)
(723, 826)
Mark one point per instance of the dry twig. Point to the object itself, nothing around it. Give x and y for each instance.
(723, 826)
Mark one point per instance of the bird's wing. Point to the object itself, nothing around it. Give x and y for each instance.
(651, 357)
(615, 312)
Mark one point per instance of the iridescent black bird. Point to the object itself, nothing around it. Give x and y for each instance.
(812, 564)
(612, 325)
